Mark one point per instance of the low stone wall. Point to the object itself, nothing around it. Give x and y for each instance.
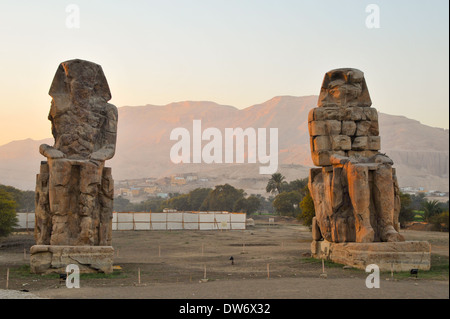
(45, 259)
(396, 256)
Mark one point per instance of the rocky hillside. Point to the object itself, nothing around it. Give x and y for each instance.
(420, 152)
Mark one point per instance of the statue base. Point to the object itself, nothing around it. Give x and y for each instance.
(46, 259)
(396, 256)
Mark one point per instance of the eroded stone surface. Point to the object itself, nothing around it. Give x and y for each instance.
(46, 259)
(355, 193)
(396, 256)
(74, 189)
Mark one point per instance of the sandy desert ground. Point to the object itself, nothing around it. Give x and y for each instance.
(270, 262)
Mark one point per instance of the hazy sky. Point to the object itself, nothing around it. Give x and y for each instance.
(231, 52)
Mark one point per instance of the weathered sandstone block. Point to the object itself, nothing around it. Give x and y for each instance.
(360, 143)
(348, 128)
(333, 127)
(374, 143)
(46, 259)
(317, 128)
(399, 256)
(322, 143)
(341, 143)
(362, 128)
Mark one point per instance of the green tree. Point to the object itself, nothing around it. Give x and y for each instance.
(8, 218)
(307, 208)
(253, 204)
(149, 205)
(276, 184)
(417, 201)
(187, 202)
(24, 199)
(265, 204)
(247, 205)
(178, 202)
(441, 221)
(297, 185)
(287, 203)
(444, 206)
(122, 204)
(431, 208)
(222, 198)
(406, 212)
(197, 197)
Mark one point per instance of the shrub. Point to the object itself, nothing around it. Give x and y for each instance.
(8, 218)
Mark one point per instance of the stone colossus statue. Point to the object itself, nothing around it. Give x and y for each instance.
(74, 190)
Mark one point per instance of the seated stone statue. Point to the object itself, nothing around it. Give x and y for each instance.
(355, 192)
(74, 191)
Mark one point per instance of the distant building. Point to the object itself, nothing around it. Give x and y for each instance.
(135, 191)
(191, 178)
(177, 180)
(125, 192)
(151, 190)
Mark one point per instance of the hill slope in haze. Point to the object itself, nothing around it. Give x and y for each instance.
(420, 152)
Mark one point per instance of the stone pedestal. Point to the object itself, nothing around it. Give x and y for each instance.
(46, 259)
(397, 256)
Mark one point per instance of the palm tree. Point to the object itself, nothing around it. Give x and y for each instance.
(431, 208)
(276, 183)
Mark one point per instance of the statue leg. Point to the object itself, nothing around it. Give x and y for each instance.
(397, 201)
(43, 220)
(359, 192)
(384, 199)
(106, 208)
(63, 206)
(90, 181)
(322, 213)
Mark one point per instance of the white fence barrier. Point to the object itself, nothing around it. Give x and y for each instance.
(25, 220)
(163, 221)
(179, 220)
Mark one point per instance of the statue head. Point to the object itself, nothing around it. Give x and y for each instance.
(78, 82)
(344, 87)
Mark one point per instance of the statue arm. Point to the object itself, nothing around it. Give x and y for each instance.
(108, 149)
(383, 159)
(339, 159)
(105, 153)
(50, 152)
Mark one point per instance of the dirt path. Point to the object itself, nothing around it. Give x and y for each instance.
(281, 288)
(269, 262)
